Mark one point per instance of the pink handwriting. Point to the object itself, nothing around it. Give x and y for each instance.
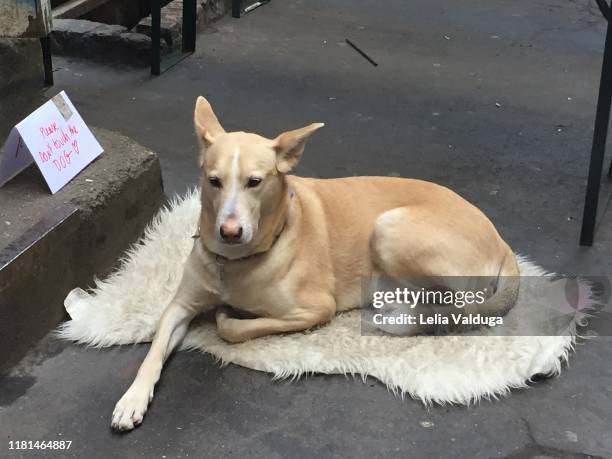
(46, 155)
(48, 130)
(60, 145)
(63, 161)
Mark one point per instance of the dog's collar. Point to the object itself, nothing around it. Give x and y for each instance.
(221, 261)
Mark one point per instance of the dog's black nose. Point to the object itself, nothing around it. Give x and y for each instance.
(231, 231)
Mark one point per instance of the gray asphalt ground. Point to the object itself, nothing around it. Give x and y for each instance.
(495, 99)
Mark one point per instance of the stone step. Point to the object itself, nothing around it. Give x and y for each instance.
(102, 42)
(114, 42)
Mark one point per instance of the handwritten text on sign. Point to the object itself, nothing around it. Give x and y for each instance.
(61, 145)
(56, 138)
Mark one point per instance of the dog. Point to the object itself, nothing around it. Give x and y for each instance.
(292, 251)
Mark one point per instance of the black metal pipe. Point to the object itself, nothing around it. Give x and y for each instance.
(45, 44)
(598, 148)
(155, 37)
(189, 25)
(236, 4)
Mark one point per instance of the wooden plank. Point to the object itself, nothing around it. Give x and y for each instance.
(73, 9)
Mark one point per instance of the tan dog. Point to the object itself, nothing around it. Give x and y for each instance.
(293, 251)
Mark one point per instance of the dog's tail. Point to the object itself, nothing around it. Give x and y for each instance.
(441, 319)
(505, 295)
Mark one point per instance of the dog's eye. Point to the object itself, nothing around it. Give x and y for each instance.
(214, 181)
(253, 182)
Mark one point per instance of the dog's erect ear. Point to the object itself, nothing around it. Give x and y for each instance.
(207, 125)
(290, 145)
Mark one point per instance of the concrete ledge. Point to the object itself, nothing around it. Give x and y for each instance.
(50, 244)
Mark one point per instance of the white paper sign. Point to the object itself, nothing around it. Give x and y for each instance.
(56, 137)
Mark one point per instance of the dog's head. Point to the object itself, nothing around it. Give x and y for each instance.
(242, 179)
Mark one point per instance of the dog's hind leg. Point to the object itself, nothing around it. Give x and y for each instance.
(418, 242)
(187, 303)
(437, 250)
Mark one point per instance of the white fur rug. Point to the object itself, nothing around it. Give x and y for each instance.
(125, 308)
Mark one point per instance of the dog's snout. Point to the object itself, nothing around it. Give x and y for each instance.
(230, 230)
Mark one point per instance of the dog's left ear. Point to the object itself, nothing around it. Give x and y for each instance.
(289, 146)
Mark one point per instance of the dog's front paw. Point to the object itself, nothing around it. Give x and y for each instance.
(226, 325)
(130, 409)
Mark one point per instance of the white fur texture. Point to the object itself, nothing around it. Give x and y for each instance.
(125, 308)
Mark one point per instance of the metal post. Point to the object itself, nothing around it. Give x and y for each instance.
(236, 8)
(45, 44)
(189, 25)
(155, 37)
(599, 144)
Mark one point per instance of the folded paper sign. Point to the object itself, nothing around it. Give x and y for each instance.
(56, 138)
